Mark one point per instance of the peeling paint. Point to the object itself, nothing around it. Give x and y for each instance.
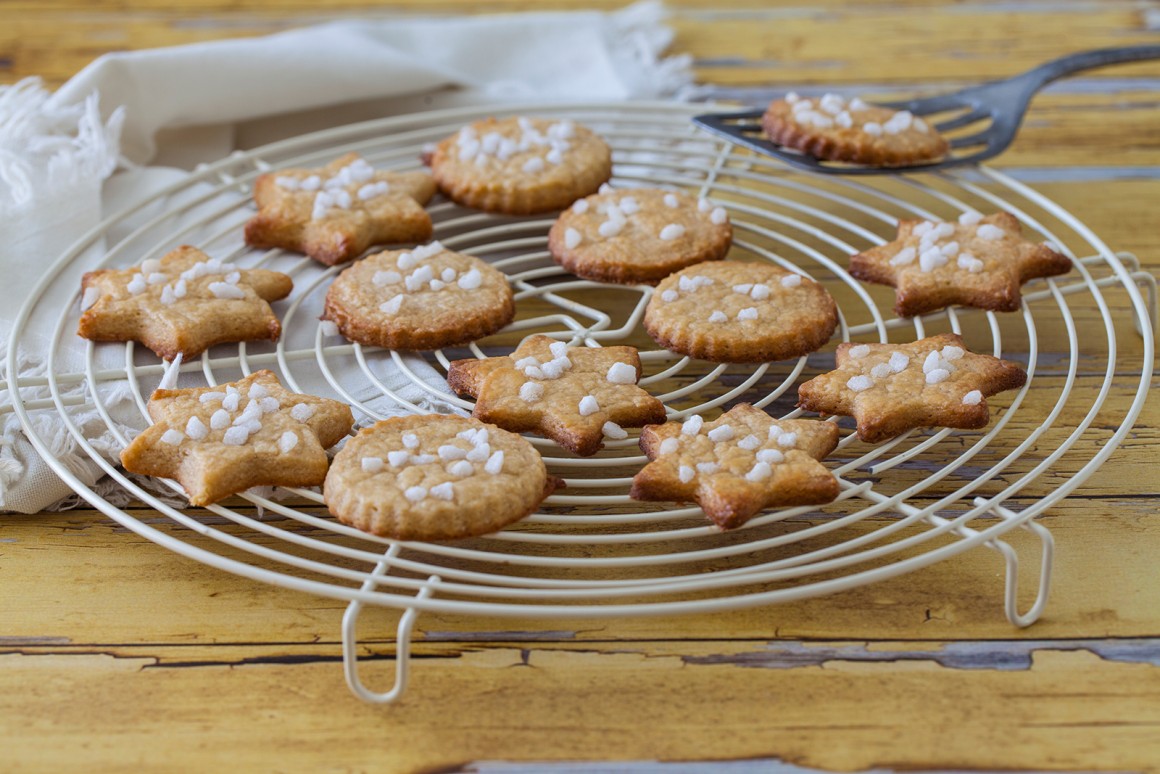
(1005, 655)
(18, 641)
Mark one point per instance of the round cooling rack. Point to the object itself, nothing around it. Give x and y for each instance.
(591, 551)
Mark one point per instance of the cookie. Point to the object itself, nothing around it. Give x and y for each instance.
(977, 261)
(892, 388)
(185, 302)
(335, 213)
(217, 441)
(520, 166)
(734, 312)
(575, 396)
(435, 477)
(737, 465)
(835, 129)
(638, 235)
(424, 298)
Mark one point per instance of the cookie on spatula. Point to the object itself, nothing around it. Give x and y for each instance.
(184, 302)
(737, 465)
(977, 261)
(836, 129)
(576, 396)
(335, 213)
(217, 441)
(892, 388)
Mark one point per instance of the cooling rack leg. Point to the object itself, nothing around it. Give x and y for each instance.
(402, 641)
(1148, 282)
(1011, 591)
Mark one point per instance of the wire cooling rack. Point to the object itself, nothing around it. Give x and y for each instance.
(591, 551)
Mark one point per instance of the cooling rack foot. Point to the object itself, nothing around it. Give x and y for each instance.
(402, 641)
(1011, 560)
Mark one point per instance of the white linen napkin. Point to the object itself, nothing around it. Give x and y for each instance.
(175, 107)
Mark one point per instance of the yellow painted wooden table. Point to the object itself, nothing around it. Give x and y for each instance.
(116, 654)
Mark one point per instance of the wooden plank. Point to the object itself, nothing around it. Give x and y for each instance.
(123, 589)
(846, 708)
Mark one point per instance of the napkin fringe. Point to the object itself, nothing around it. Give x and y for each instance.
(62, 445)
(46, 145)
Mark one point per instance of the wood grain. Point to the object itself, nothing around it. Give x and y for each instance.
(116, 654)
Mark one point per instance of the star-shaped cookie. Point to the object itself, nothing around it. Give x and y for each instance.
(575, 396)
(737, 465)
(217, 441)
(977, 261)
(184, 302)
(335, 213)
(892, 388)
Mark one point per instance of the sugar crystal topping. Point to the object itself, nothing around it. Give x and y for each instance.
(613, 431)
(937, 247)
(537, 150)
(287, 442)
(196, 429)
(834, 110)
(622, 373)
(531, 391)
(860, 383)
(692, 425)
(721, 433)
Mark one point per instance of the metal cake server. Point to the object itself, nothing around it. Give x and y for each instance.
(980, 121)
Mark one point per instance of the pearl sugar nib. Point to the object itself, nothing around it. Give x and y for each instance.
(575, 395)
(974, 261)
(738, 464)
(217, 441)
(892, 388)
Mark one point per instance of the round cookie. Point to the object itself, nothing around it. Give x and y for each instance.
(835, 129)
(435, 477)
(424, 298)
(734, 312)
(520, 165)
(638, 235)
